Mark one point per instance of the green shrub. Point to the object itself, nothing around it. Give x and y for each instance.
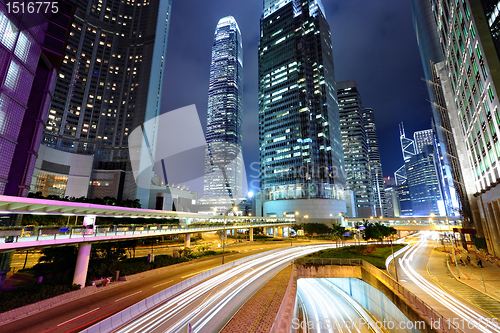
(31, 293)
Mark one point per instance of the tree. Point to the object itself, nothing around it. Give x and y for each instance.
(338, 232)
(57, 264)
(317, 228)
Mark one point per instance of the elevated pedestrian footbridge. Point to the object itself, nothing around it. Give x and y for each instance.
(410, 223)
(19, 237)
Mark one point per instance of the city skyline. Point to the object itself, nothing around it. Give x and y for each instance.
(188, 65)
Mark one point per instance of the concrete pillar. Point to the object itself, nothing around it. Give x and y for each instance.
(250, 232)
(280, 232)
(187, 241)
(82, 264)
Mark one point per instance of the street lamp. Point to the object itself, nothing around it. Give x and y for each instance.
(394, 260)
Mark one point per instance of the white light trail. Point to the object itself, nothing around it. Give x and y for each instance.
(475, 319)
(213, 304)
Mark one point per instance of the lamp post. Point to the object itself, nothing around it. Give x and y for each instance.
(394, 260)
(453, 244)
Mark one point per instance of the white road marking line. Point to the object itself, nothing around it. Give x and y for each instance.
(161, 284)
(185, 276)
(67, 321)
(128, 296)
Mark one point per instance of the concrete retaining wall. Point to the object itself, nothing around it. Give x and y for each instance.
(410, 305)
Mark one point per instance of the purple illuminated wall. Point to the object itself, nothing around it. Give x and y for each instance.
(31, 50)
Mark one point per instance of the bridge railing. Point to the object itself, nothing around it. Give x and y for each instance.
(37, 233)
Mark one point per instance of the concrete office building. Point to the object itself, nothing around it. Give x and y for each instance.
(301, 158)
(463, 37)
(110, 83)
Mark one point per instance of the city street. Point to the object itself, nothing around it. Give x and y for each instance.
(413, 274)
(209, 305)
(76, 315)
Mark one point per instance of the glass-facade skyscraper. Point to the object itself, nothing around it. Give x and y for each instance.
(355, 147)
(423, 138)
(301, 159)
(423, 183)
(31, 50)
(110, 83)
(223, 158)
(375, 164)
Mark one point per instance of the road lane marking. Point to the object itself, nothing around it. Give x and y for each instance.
(161, 284)
(86, 313)
(128, 296)
(185, 276)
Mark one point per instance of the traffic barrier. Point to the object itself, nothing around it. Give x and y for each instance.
(111, 323)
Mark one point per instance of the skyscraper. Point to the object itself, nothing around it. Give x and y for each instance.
(223, 157)
(301, 159)
(355, 146)
(423, 183)
(32, 48)
(375, 164)
(110, 83)
(458, 43)
(423, 138)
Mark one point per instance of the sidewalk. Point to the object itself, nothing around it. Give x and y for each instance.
(473, 275)
(470, 284)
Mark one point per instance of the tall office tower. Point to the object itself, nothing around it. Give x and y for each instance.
(464, 38)
(223, 158)
(300, 144)
(109, 84)
(423, 183)
(355, 142)
(375, 165)
(31, 47)
(423, 138)
(405, 204)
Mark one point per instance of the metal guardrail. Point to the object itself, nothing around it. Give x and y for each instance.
(386, 279)
(329, 261)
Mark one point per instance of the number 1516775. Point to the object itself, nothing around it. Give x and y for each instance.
(16, 7)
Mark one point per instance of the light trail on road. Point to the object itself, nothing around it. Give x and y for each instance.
(474, 320)
(332, 310)
(207, 306)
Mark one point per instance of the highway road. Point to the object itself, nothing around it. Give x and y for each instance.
(412, 271)
(79, 314)
(209, 305)
(326, 308)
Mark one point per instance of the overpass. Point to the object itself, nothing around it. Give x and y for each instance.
(16, 237)
(411, 223)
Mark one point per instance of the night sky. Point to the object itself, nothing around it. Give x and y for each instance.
(373, 42)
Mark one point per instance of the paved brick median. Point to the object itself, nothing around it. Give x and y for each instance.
(259, 312)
